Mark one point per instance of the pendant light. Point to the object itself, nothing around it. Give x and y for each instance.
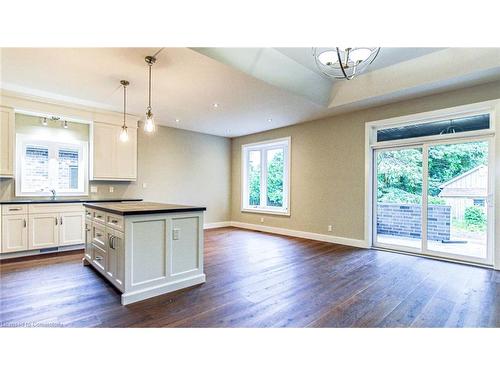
(124, 131)
(149, 125)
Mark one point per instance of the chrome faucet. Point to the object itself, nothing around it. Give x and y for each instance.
(53, 191)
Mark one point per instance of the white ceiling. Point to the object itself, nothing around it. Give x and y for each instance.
(186, 83)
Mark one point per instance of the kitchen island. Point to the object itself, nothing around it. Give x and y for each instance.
(145, 249)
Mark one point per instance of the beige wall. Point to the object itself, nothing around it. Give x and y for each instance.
(178, 166)
(328, 164)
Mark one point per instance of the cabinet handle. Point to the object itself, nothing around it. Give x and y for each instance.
(98, 257)
(15, 209)
(56, 220)
(24, 222)
(60, 221)
(98, 235)
(111, 242)
(114, 221)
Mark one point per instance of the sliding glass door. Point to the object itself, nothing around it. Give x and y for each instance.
(458, 194)
(453, 218)
(398, 187)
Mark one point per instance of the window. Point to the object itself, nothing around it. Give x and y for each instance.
(266, 171)
(441, 127)
(46, 165)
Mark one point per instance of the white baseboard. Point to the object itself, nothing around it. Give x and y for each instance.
(220, 224)
(301, 234)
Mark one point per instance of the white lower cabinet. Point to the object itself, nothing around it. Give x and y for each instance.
(43, 231)
(71, 228)
(88, 240)
(14, 233)
(41, 226)
(116, 261)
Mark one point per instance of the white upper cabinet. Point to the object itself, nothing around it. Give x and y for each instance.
(112, 159)
(7, 120)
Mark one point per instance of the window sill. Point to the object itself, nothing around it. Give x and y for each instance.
(265, 211)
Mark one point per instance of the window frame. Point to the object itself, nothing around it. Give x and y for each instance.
(264, 147)
(24, 140)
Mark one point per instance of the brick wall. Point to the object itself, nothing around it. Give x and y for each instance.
(404, 220)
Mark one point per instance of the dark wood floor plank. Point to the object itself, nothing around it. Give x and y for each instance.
(261, 280)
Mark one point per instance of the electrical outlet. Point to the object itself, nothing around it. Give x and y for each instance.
(329, 228)
(111, 189)
(176, 233)
(93, 189)
(261, 219)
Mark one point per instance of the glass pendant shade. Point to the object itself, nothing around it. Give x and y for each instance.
(124, 134)
(344, 62)
(149, 125)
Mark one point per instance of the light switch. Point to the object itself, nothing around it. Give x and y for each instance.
(176, 233)
(93, 189)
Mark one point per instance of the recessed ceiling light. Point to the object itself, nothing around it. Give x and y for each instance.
(216, 105)
(269, 120)
(177, 120)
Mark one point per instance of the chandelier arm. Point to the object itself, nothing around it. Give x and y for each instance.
(375, 56)
(341, 65)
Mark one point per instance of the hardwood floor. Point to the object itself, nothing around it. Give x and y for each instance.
(262, 280)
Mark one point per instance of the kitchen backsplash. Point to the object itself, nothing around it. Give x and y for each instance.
(7, 189)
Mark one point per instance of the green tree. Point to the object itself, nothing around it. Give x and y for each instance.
(275, 180)
(399, 172)
(254, 188)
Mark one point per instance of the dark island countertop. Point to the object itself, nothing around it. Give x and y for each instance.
(141, 208)
(62, 200)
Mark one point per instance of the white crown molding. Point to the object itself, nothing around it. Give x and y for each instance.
(25, 102)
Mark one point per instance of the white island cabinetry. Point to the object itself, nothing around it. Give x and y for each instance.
(145, 249)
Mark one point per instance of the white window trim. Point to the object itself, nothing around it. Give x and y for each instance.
(267, 145)
(23, 139)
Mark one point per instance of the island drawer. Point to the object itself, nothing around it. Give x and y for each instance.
(89, 213)
(99, 217)
(114, 222)
(99, 258)
(14, 209)
(99, 235)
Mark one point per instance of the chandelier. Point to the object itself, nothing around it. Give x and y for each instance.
(344, 63)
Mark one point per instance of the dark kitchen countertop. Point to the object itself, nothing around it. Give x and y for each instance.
(141, 208)
(63, 200)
